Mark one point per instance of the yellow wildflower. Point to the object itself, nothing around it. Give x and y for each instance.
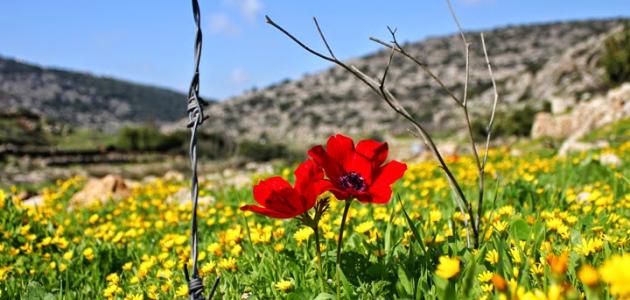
(278, 247)
(492, 257)
(615, 273)
(284, 285)
(228, 264)
(590, 246)
(485, 276)
(448, 267)
(588, 275)
(127, 266)
(303, 234)
(182, 291)
(88, 253)
(68, 255)
(364, 227)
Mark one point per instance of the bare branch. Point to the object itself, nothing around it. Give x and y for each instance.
(394, 45)
(321, 34)
(465, 98)
(494, 103)
(307, 48)
(459, 26)
(389, 63)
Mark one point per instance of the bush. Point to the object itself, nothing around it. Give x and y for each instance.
(213, 145)
(513, 123)
(262, 151)
(148, 138)
(616, 59)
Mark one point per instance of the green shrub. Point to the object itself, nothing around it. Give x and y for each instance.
(148, 138)
(616, 59)
(262, 151)
(513, 123)
(213, 145)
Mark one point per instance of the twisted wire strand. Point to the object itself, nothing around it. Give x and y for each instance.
(195, 119)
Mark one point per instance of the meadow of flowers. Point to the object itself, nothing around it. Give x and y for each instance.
(552, 228)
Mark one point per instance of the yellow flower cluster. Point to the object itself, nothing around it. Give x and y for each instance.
(547, 238)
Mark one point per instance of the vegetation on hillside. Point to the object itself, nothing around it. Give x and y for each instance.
(616, 59)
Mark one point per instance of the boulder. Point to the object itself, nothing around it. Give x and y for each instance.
(548, 125)
(101, 190)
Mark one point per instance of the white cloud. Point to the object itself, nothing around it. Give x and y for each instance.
(248, 8)
(238, 76)
(221, 24)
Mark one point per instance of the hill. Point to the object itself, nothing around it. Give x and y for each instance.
(83, 99)
(535, 65)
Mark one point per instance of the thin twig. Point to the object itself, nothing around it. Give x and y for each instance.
(465, 97)
(495, 101)
(459, 26)
(422, 65)
(321, 34)
(488, 130)
(473, 145)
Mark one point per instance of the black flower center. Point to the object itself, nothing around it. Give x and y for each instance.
(352, 181)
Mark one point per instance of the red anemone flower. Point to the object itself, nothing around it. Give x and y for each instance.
(358, 172)
(278, 199)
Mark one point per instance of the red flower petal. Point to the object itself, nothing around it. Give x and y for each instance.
(340, 194)
(374, 151)
(340, 148)
(264, 189)
(307, 173)
(361, 165)
(266, 212)
(389, 173)
(333, 169)
(381, 194)
(286, 201)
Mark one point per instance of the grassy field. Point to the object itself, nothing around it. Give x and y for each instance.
(553, 228)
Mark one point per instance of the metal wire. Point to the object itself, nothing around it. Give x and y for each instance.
(195, 118)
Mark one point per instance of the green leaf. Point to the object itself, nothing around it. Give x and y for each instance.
(449, 292)
(414, 230)
(403, 280)
(520, 230)
(388, 236)
(469, 278)
(325, 296)
(347, 287)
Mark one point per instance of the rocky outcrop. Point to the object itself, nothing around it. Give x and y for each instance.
(101, 190)
(585, 117)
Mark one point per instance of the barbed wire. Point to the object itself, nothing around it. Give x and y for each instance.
(195, 118)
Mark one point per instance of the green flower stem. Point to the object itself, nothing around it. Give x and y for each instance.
(319, 256)
(340, 243)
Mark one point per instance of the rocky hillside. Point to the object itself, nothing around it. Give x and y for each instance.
(83, 99)
(534, 65)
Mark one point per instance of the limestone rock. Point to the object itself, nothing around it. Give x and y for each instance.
(101, 190)
(585, 117)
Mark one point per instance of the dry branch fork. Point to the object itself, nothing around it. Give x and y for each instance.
(380, 88)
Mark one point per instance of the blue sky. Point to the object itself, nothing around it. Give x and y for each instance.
(151, 41)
